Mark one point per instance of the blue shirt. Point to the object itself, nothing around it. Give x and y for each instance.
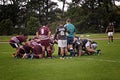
(71, 29)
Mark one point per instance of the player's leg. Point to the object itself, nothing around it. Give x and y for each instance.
(49, 51)
(43, 51)
(111, 36)
(70, 44)
(79, 51)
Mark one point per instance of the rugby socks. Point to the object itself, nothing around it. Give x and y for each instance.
(43, 54)
(76, 53)
(49, 53)
(98, 52)
(32, 56)
(71, 52)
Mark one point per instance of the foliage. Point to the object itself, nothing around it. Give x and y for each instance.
(6, 27)
(85, 14)
(92, 13)
(32, 25)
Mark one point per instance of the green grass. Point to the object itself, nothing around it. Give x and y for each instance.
(103, 67)
(116, 35)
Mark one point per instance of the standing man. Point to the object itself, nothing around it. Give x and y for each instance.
(44, 35)
(70, 36)
(62, 40)
(110, 30)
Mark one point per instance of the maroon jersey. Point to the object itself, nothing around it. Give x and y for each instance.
(18, 39)
(36, 48)
(43, 33)
(110, 28)
(21, 50)
(27, 48)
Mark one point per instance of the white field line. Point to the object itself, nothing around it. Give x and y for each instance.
(103, 60)
(90, 38)
(104, 38)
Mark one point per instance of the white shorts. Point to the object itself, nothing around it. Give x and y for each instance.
(110, 33)
(62, 43)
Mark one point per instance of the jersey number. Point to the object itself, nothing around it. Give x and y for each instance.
(62, 33)
(42, 31)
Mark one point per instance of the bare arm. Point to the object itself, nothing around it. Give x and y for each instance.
(37, 34)
(106, 30)
(49, 34)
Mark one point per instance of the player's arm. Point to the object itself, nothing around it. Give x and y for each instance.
(113, 29)
(49, 34)
(56, 33)
(106, 30)
(37, 34)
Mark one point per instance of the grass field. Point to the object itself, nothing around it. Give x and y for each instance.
(103, 67)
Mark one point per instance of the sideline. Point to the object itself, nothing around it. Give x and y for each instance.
(90, 38)
(104, 38)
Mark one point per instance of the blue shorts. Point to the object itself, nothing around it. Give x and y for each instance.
(70, 40)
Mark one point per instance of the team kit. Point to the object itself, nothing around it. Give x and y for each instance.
(43, 44)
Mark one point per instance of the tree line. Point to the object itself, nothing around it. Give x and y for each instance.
(89, 16)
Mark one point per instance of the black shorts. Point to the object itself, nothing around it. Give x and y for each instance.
(14, 45)
(70, 40)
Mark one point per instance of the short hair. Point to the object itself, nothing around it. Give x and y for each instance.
(68, 20)
(61, 22)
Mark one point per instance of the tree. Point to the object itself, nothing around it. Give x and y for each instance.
(6, 27)
(32, 25)
(90, 13)
(64, 2)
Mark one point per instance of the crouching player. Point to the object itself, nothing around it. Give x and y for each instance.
(90, 47)
(77, 46)
(36, 49)
(23, 51)
(16, 40)
(19, 53)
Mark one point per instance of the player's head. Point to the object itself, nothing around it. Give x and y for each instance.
(61, 23)
(68, 20)
(94, 45)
